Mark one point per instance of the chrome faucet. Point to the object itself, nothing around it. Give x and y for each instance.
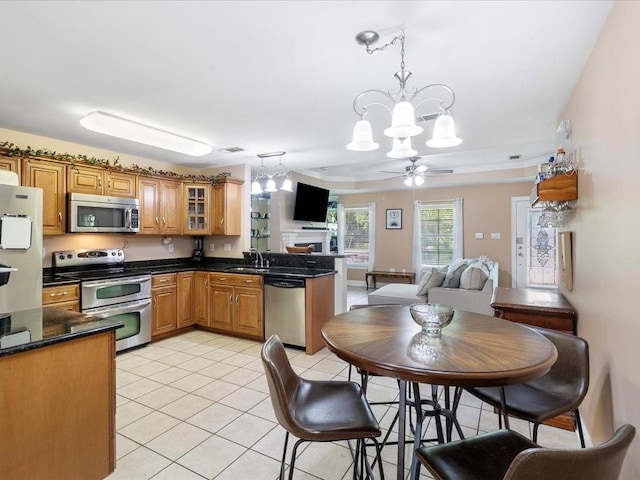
(258, 255)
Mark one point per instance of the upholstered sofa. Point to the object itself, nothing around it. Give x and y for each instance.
(478, 301)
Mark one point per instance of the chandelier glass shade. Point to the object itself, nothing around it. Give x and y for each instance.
(403, 105)
(271, 175)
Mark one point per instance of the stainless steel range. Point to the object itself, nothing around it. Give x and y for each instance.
(108, 291)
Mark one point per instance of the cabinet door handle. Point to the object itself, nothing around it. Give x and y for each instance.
(221, 221)
(248, 281)
(164, 221)
(164, 280)
(230, 299)
(157, 221)
(59, 218)
(59, 294)
(237, 299)
(100, 183)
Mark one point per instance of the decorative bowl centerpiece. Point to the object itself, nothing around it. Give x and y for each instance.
(432, 317)
(292, 249)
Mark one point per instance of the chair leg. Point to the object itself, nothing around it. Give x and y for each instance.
(579, 425)
(284, 455)
(535, 432)
(293, 458)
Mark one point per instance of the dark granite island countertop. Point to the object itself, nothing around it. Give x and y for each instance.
(57, 406)
(30, 329)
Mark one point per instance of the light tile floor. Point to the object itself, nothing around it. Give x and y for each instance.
(197, 406)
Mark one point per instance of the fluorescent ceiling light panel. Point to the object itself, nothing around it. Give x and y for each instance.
(108, 124)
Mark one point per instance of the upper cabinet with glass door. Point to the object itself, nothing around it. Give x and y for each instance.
(196, 204)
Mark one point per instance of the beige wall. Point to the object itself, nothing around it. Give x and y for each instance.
(605, 117)
(487, 209)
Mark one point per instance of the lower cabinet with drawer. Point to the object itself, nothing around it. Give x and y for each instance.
(164, 303)
(236, 304)
(62, 296)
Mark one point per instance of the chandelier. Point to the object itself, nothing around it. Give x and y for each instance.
(404, 103)
(271, 174)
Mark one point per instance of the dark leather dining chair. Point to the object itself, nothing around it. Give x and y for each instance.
(318, 411)
(508, 455)
(561, 390)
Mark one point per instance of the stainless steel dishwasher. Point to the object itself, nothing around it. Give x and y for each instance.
(284, 310)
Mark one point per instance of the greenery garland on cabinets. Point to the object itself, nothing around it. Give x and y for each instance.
(12, 150)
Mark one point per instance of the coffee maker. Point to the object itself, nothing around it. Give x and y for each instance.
(198, 253)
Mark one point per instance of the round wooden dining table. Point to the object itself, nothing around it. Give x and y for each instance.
(473, 350)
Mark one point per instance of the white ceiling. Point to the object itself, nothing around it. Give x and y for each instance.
(268, 76)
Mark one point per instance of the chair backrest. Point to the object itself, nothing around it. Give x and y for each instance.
(602, 462)
(283, 383)
(570, 374)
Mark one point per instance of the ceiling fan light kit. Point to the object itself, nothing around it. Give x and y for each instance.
(115, 126)
(404, 103)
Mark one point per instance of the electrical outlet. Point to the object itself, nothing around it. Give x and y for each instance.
(171, 248)
(212, 247)
(227, 247)
(495, 236)
(479, 236)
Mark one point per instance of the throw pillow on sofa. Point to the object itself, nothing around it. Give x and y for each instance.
(474, 276)
(430, 279)
(452, 280)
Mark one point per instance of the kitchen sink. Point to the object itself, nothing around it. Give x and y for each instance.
(247, 269)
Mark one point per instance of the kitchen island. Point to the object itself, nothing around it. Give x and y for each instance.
(57, 401)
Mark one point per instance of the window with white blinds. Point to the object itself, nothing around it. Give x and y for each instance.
(437, 234)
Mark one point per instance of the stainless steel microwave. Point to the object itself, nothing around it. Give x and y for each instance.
(101, 213)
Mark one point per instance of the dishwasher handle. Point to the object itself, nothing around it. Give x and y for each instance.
(284, 283)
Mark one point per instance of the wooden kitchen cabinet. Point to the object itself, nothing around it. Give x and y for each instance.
(236, 304)
(58, 409)
(195, 201)
(99, 181)
(185, 313)
(164, 301)
(160, 206)
(66, 297)
(201, 298)
(50, 177)
(11, 164)
(227, 207)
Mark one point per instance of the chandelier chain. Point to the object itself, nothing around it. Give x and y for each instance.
(392, 42)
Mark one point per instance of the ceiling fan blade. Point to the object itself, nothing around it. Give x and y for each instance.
(387, 171)
(439, 171)
(421, 168)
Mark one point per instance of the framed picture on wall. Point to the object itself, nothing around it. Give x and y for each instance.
(394, 219)
(565, 260)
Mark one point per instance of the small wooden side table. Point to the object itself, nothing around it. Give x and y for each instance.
(395, 275)
(539, 308)
(535, 306)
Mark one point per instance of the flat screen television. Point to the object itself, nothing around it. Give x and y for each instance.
(311, 203)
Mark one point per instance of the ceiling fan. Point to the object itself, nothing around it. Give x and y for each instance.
(414, 174)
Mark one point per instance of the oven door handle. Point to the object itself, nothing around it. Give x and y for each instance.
(119, 281)
(103, 312)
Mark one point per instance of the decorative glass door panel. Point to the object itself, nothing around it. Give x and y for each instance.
(197, 209)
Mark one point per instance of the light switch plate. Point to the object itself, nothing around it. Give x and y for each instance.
(479, 236)
(227, 247)
(212, 247)
(495, 236)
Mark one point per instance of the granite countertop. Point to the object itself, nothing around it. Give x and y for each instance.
(298, 270)
(30, 329)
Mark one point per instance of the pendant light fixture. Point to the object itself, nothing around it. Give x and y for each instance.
(271, 174)
(402, 106)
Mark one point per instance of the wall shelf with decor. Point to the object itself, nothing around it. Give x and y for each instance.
(562, 187)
